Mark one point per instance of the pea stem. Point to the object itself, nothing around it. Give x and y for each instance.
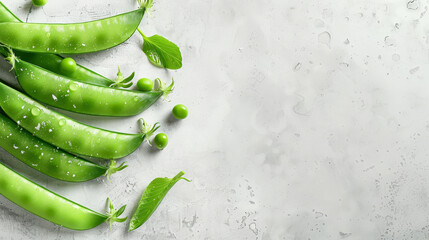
(140, 31)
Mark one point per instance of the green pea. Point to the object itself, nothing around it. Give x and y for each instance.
(145, 85)
(180, 111)
(68, 66)
(39, 3)
(161, 140)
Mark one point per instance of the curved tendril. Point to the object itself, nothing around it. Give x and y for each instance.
(148, 130)
(113, 214)
(166, 90)
(113, 168)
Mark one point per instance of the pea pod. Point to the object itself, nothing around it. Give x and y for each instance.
(73, 38)
(66, 93)
(52, 61)
(46, 158)
(66, 133)
(50, 206)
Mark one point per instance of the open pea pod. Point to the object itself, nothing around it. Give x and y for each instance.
(66, 133)
(46, 158)
(66, 93)
(50, 206)
(52, 62)
(73, 38)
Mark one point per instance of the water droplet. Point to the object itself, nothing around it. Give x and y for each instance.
(73, 86)
(136, 99)
(62, 122)
(413, 4)
(414, 70)
(54, 97)
(396, 57)
(35, 111)
(297, 67)
(389, 41)
(325, 38)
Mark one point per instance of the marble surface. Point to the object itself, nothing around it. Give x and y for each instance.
(308, 120)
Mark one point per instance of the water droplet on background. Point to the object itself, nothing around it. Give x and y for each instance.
(325, 38)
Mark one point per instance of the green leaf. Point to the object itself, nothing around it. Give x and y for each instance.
(151, 199)
(161, 52)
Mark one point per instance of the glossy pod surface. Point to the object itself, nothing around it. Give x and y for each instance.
(65, 93)
(46, 204)
(64, 132)
(52, 61)
(43, 156)
(71, 38)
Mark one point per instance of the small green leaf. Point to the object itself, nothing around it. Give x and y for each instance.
(120, 211)
(151, 199)
(161, 52)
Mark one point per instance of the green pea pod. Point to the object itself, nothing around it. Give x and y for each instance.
(46, 158)
(52, 61)
(66, 93)
(50, 206)
(72, 38)
(66, 133)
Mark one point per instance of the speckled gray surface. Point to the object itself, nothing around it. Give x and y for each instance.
(308, 120)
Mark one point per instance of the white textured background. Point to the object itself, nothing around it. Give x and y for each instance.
(308, 120)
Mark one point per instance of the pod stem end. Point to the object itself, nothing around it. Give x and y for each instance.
(113, 168)
(113, 214)
(148, 130)
(166, 90)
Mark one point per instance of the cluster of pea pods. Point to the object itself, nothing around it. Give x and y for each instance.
(51, 142)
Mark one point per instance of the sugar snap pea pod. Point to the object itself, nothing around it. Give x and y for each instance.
(65, 93)
(52, 61)
(46, 158)
(50, 206)
(66, 133)
(73, 38)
